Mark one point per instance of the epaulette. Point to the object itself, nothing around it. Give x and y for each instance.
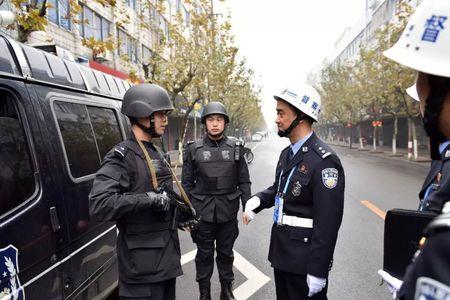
(285, 149)
(198, 144)
(230, 143)
(120, 150)
(190, 142)
(322, 150)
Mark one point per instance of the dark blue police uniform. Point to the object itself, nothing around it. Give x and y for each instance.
(428, 277)
(304, 235)
(436, 188)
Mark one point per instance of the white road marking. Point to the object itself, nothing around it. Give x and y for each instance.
(255, 278)
(256, 146)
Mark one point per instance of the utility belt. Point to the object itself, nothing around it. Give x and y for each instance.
(296, 221)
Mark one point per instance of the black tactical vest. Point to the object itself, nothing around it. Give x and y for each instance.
(215, 168)
(140, 182)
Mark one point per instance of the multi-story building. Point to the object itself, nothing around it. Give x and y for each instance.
(135, 26)
(363, 33)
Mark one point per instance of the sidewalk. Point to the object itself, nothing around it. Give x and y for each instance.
(386, 151)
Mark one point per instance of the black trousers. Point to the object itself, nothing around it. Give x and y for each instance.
(164, 290)
(291, 286)
(219, 237)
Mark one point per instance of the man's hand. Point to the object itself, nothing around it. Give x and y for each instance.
(315, 284)
(250, 205)
(246, 218)
(159, 202)
(189, 225)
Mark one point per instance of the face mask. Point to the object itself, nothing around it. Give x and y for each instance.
(433, 109)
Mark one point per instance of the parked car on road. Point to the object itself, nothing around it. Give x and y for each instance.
(257, 137)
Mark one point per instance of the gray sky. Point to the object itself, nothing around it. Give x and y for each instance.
(284, 39)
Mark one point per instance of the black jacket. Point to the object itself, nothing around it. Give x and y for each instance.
(148, 248)
(440, 190)
(315, 191)
(215, 175)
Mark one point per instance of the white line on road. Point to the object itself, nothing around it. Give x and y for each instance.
(255, 278)
(256, 146)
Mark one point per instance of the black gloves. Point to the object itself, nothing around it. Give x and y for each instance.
(159, 202)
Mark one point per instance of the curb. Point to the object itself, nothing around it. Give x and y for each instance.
(389, 155)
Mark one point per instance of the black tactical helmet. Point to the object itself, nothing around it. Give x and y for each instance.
(215, 108)
(143, 100)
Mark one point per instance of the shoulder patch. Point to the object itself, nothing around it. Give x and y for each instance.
(428, 288)
(120, 151)
(330, 177)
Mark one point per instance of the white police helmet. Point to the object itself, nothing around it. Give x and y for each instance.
(425, 42)
(304, 97)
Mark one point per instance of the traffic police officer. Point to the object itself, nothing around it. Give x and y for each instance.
(124, 191)
(308, 196)
(425, 47)
(215, 174)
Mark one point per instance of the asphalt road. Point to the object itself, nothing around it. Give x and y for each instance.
(384, 183)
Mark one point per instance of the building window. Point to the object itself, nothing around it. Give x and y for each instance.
(187, 16)
(163, 26)
(58, 13)
(94, 25)
(146, 54)
(127, 45)
(131, 4)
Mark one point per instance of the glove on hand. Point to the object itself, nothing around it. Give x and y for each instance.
(251, 204)
(315, 284)
(159, 202)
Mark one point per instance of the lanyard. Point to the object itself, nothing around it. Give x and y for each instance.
(287, 181)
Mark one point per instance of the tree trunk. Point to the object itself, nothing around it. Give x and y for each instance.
(410, 136)
(374, 144)
(414, 137)
(394, 136)
(351, 137)
(361, 142)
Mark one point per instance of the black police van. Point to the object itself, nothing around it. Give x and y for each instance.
(57, 120)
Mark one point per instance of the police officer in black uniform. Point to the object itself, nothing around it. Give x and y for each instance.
(215, 174)
(308, 196)
(124, 191)
(425, 47)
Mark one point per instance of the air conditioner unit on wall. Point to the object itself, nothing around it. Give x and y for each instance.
(103, 56)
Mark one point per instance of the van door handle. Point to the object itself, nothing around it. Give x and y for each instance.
(54, 219)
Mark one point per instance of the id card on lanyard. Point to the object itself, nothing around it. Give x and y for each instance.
(279, 201)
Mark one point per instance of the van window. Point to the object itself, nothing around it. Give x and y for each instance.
(78, 138)
(17, 183)
(88, 133)
(106, 128)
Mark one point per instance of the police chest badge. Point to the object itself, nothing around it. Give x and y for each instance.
(330, 177)
(206, 155)
(430, 289)
(296, 189)
(226, 154)
(10, 287)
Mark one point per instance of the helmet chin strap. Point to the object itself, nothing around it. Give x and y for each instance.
(285, 133)
(150, 130)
